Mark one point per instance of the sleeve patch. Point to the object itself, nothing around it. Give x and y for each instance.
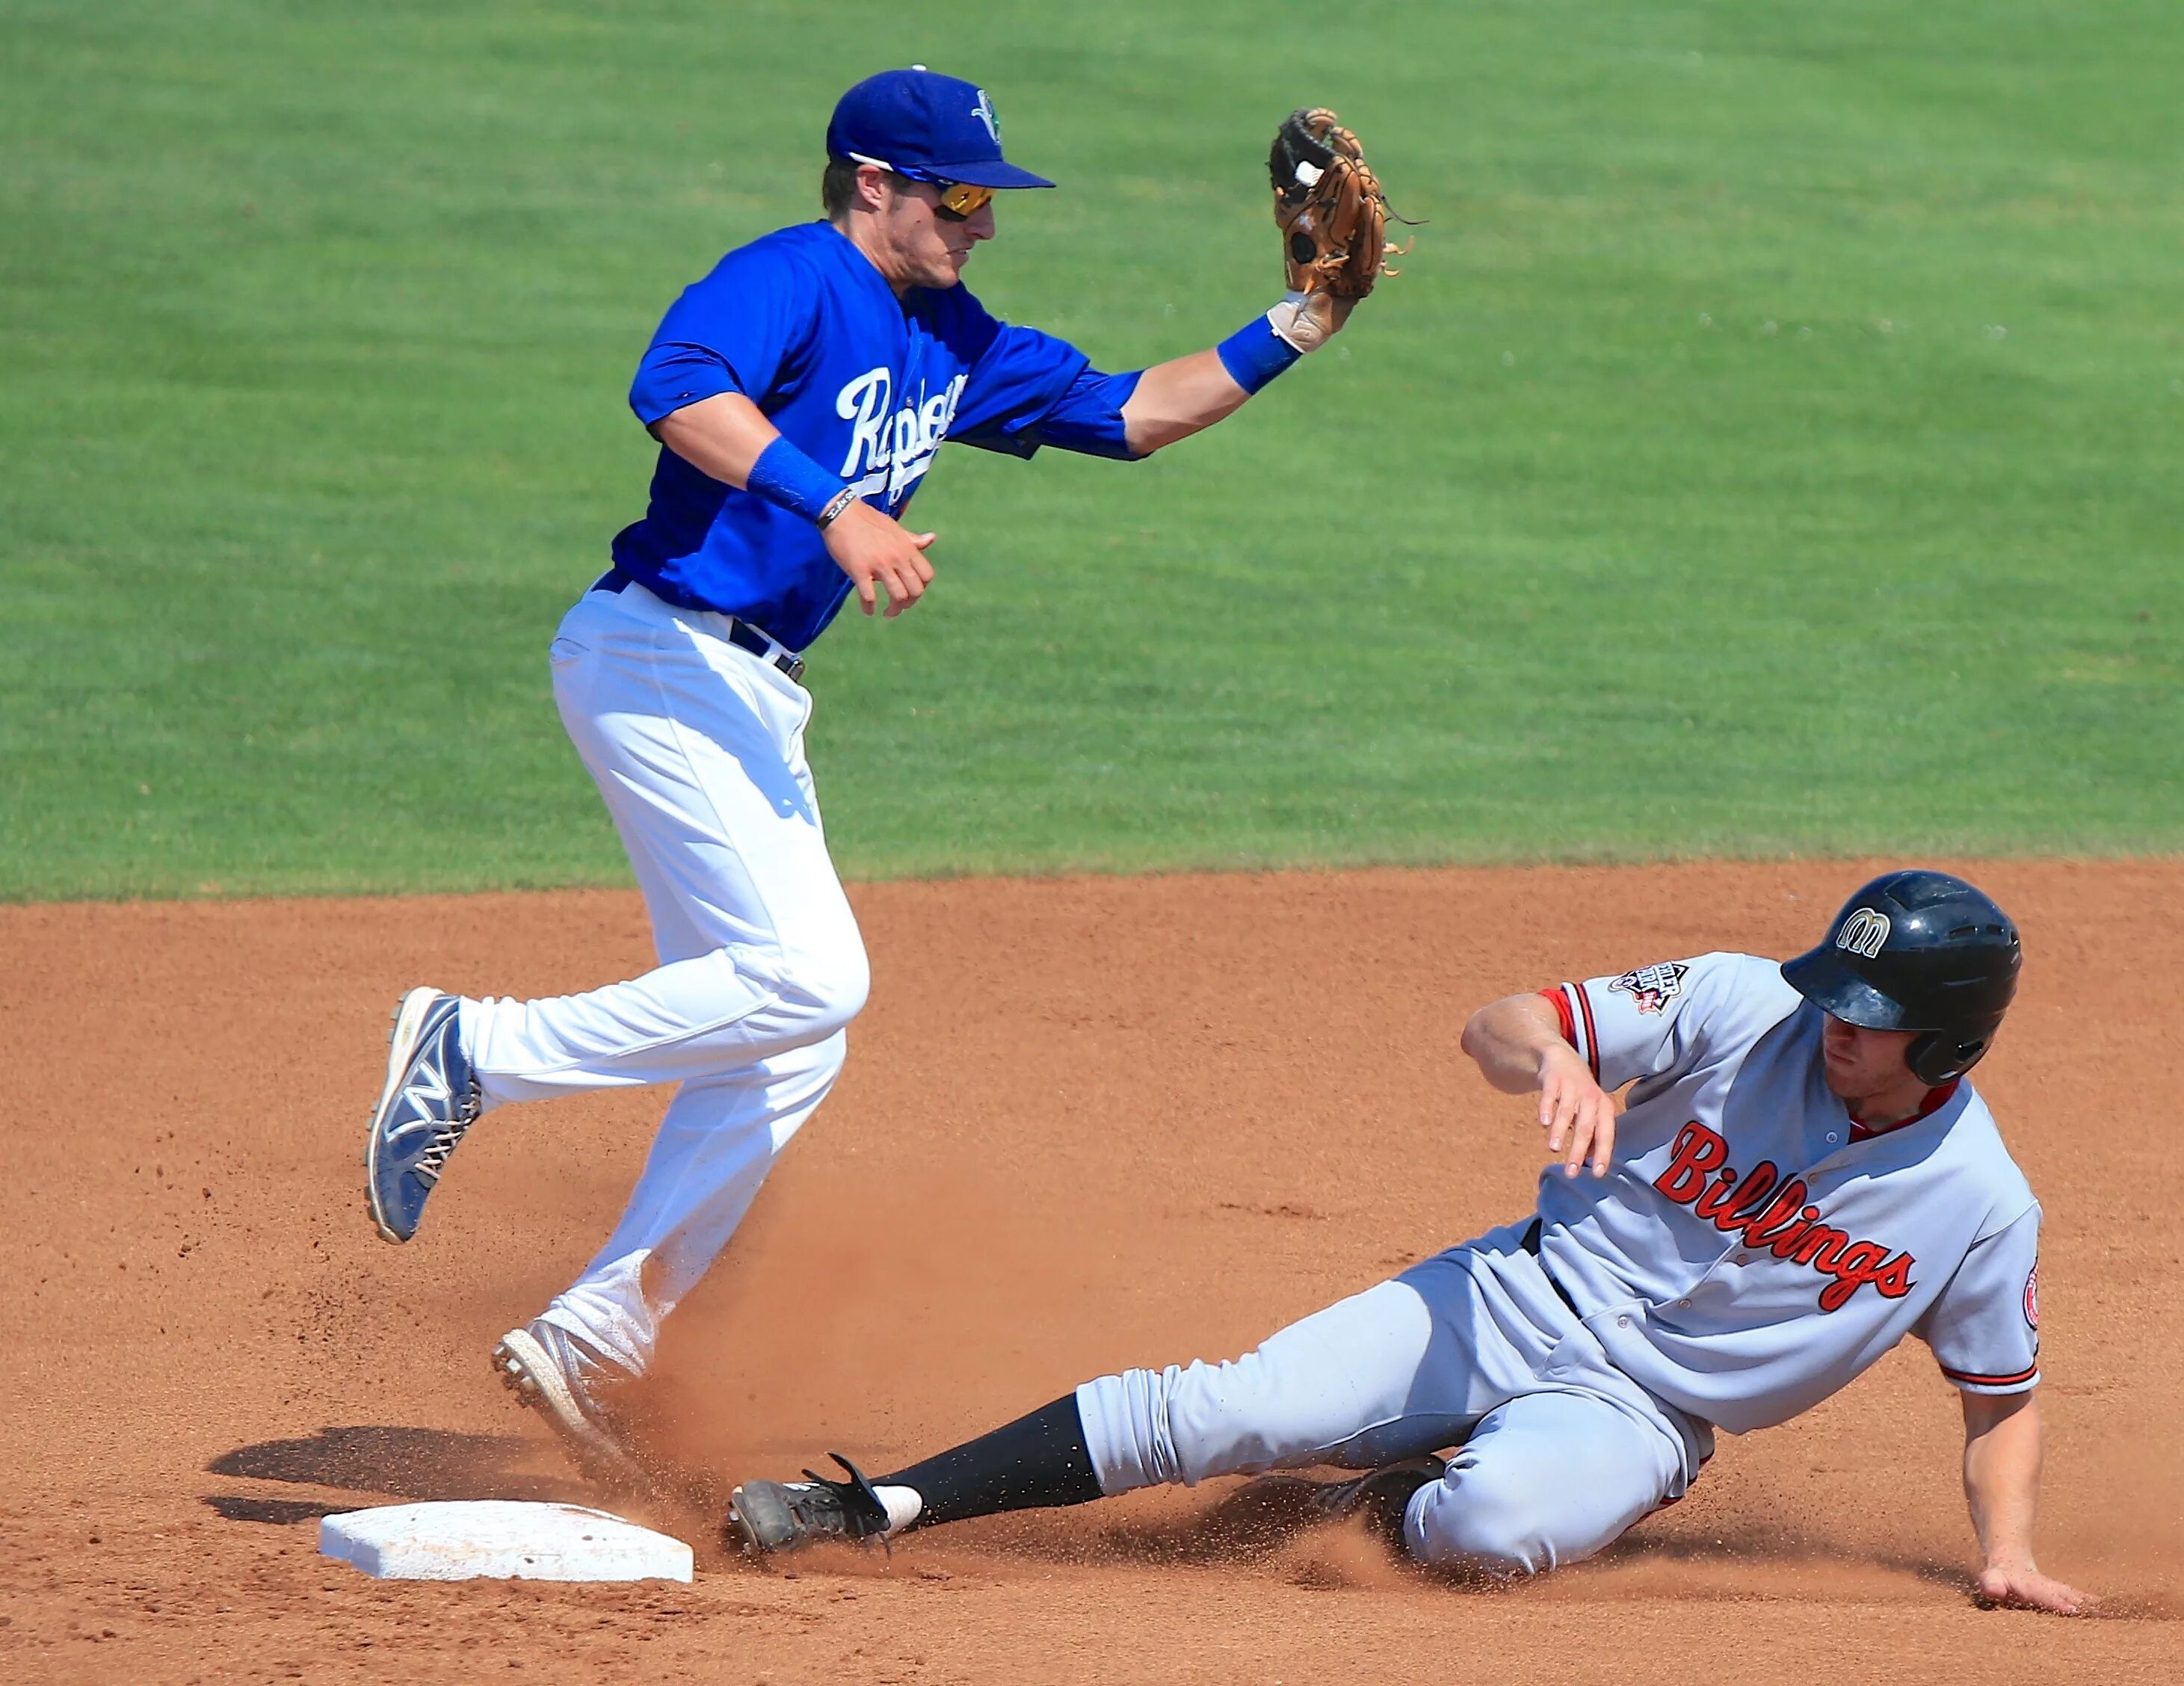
(1652, 987)
(2032, 1297)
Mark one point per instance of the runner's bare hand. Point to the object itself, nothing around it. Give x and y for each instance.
(879, 554)
(2022, 1587)
(1577, 1114)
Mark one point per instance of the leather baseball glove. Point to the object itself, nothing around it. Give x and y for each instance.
(1333, 216)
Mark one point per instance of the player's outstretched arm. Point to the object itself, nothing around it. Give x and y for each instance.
(1518, 1042)
(727, 437)
(2001, 1484)
(2002, 1481)
(1176, 399)
(1187, 395)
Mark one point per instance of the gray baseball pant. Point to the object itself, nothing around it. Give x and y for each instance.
(1560, 1452)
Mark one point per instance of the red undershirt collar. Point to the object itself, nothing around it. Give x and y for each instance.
(1935, 1101)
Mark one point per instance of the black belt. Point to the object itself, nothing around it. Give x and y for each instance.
(741, 633)
(1532, 1246)
(745, 637)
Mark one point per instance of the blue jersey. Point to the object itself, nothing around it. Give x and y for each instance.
(865, 384)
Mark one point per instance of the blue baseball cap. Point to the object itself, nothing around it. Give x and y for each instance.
(925, 126)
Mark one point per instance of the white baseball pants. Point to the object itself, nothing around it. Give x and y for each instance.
(1559, 1452)
(698, 747)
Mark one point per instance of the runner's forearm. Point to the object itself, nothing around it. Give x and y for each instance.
(1512, 1039)
(2001, 1474)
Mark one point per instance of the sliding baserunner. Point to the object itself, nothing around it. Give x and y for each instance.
(1803, 1178)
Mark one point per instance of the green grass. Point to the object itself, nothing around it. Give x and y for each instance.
(1773, 446)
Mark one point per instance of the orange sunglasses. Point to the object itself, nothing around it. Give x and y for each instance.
(959, 199)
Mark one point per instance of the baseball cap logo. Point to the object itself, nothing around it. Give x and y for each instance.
(984, 111)
(1864, 933)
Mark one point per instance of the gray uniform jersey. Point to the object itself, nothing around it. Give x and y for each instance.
(1752, 1249)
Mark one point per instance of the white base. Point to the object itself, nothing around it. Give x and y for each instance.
(499, 1539)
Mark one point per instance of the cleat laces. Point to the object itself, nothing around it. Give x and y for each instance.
(445, 1140)
(852, 1504)
(429, 1163)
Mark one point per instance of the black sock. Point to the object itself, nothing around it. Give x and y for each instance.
(1034, 1463)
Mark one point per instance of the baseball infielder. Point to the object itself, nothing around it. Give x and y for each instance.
(1803, 1178)
(799, 392)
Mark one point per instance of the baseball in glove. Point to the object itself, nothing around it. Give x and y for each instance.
(1333, 219)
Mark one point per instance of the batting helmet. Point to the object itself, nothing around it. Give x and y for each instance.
(1917, 951)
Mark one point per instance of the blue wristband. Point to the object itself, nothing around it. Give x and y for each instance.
(1255, 353)
(789, 480)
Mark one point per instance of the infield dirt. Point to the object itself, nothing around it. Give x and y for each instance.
(1086, 1123)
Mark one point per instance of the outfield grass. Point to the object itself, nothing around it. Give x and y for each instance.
(1773, 446)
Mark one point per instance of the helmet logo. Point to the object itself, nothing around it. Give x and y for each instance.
(1864, 933)
(984, 111)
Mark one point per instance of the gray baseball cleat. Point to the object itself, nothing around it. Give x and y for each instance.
(561, 1377)
(1382, 1497)
(430, 1100)
(765, 1517)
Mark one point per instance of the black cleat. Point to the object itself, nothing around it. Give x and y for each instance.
(769, 1517)
(1380, 1497)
